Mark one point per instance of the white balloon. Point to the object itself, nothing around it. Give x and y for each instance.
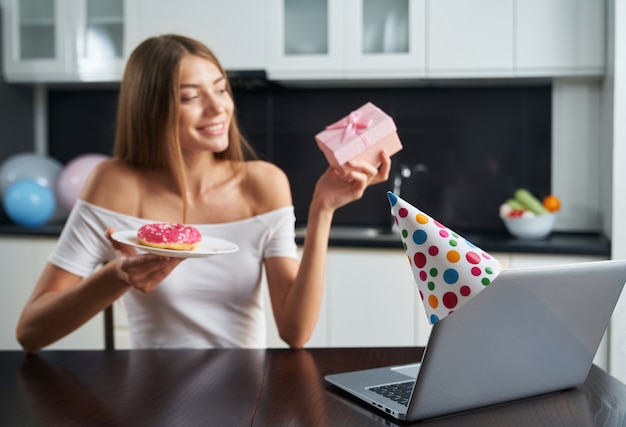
(42, 169)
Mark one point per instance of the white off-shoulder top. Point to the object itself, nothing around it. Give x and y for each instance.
(205, 302)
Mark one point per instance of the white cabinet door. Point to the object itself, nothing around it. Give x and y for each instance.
(35, 39)
(469, 38)
(235, 29)
(305, 39)
(371, 299)
(560, 37)
(319, 337)
(346, 39)
(104, 38)
(21, 261)
(65, 40)
(385, 39)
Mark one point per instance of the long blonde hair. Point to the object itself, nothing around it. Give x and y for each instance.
(147, 133)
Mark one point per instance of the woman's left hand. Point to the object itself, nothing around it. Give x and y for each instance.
(336, 187)
(140, 271)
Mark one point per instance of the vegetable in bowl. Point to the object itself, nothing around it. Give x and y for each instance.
(527, 217)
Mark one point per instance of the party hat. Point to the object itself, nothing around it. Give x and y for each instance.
(449, 270)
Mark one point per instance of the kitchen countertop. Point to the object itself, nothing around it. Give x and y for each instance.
(492, 241)
(371, 237)
(43, 231)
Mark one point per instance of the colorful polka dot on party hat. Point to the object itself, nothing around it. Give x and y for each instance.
(449, 270)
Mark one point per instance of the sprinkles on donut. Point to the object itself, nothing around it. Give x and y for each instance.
(169, 236)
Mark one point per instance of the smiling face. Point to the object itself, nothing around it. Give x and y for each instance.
(206, 107)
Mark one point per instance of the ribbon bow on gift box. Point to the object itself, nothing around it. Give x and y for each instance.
(351, 124)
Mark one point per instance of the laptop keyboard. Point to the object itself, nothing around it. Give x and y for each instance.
(398, 392)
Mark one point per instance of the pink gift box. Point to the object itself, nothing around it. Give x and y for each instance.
(361, 135)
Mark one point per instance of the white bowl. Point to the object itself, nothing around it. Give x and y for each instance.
(535, 228)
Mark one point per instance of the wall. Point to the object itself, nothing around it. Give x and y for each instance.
(82, 120)
(472, 147)
(475, 145)
(616, 108)
(16, 117)
(428, 119)
(576, 153)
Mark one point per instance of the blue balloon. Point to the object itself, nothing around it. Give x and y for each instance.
(28, 203)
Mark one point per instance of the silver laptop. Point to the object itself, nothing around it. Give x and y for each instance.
(533, 331)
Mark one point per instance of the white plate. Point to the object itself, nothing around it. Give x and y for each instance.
(208, 246)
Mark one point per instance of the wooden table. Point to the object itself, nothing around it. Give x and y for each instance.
(248, 387)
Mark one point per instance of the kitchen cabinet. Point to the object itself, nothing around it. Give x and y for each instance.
(371, 299)
(338, 40)
(235, 30)
(470, 38)
(22, 260)
(33, 39)
(90, 40)
(515, 38)
(560, 37)
(65, 40)
(345, 39)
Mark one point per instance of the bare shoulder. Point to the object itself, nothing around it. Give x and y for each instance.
(113, 185)
(268, 185)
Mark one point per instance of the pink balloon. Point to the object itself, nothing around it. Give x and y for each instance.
(73, 177)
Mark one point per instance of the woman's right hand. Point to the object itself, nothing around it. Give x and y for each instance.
(140, 271)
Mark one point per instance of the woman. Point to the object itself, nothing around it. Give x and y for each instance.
(179, 157)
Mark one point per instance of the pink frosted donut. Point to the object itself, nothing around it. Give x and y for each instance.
(169, 236)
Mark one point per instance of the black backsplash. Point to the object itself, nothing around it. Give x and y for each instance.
(80, 122)
(468, 148)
